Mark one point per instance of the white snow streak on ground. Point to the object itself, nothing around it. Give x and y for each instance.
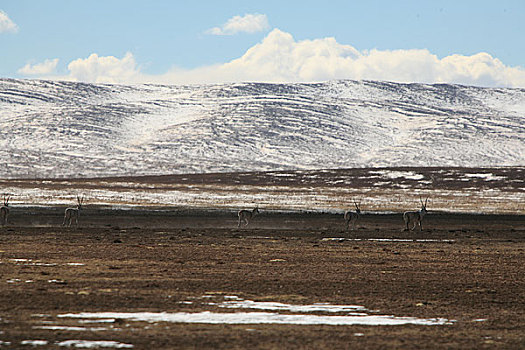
(487, 177)
(71, 328)
(250, 304)
(92, 344)
(261, 318)
(34, 342)
(340, 239)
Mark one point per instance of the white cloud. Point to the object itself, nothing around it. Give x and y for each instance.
(46, 67)
(104, 69)
(6, 24)
(249, 23)
(280, 58)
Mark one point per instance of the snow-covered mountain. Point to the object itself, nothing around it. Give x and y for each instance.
(61, 129)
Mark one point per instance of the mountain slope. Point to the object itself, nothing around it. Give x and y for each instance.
(60, 129)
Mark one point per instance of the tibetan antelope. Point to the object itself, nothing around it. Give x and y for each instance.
(415, 217)
(247, 216)
(4, 210)
(352, 217)
(73, 213)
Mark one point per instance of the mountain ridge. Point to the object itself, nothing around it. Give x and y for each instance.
(70, 129)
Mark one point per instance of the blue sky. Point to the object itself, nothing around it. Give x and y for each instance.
(470, 42)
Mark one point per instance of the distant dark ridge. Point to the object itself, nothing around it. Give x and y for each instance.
(508, 179)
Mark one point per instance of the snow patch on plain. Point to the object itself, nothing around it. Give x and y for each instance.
(341, 239)
(392, 174)
(486, 176)
(263, 318)
(93, 344)
(72, 328)
(34, 342)
(294, 314)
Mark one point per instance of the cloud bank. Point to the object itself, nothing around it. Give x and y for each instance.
(106, 69)
(6, 24)
(249, 23)
(46, 67)
(280, 58)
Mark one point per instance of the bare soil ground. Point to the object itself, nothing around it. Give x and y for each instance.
(470, 269)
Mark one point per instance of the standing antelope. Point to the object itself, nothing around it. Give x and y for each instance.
(352, 217)
(416, 217)
(4, 210)
(73, 213)
(247, 216)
